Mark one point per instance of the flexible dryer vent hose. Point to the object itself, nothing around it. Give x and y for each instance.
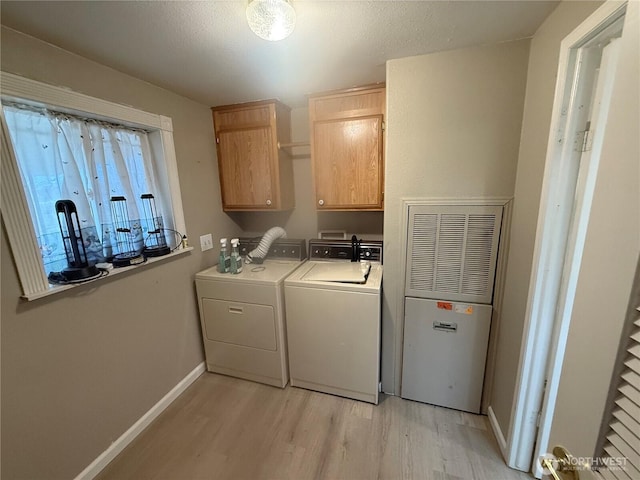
(268, 238)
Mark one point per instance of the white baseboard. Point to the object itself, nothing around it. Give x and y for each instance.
(497, 432)
(127, 437)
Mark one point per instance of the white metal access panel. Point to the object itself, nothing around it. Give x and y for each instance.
(445, 351)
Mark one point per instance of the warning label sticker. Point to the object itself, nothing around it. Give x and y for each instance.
(461, 308)
(445, 305)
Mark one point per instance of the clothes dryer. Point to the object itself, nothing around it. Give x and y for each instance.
(243, 315)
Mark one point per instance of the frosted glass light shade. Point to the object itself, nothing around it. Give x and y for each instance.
(271, 19)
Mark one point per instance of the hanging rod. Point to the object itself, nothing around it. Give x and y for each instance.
(293, 144)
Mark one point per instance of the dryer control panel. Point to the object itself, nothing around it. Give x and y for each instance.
(285, 248)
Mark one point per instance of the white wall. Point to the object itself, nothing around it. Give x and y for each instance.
(453, 130)
(80, 367)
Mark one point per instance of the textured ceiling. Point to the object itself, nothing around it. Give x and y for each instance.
(204, 50)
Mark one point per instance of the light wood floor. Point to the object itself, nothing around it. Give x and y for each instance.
(225, 428)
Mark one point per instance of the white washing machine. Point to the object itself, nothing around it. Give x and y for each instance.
(243, 317)
(333, 320)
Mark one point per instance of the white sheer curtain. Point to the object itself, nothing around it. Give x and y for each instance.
(63, 157)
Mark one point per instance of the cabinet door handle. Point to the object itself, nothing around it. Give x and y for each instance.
(236, 310)
(320, 202)
(268, 202)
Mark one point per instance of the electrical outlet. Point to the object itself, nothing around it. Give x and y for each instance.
(206, 242)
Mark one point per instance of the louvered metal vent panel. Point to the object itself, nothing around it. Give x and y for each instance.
(477, 256)
(450, 244)
(623, 438)
(452, 252)
(423, 254)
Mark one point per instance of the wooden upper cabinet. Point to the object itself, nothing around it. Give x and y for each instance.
(254, 173)
(347, 148)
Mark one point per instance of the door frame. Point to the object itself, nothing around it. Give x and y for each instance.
(544, 341)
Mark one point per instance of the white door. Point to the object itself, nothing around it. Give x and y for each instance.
(608, 264)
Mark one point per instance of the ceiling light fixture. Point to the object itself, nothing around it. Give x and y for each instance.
(271, 19)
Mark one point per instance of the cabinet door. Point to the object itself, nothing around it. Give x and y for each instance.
(348, 163)
(245, 168)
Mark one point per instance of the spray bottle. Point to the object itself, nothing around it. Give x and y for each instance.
(236, 259)
(224, 259)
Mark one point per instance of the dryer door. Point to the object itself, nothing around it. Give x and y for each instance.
(238, 323)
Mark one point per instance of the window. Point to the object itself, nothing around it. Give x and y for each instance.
(60, 145)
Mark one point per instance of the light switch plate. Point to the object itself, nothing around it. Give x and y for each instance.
(206, 242)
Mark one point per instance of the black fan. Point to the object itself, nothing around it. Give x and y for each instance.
(155, 244)
(128, 252)
(79, 267)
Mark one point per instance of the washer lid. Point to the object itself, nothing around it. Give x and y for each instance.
(343, 272)
(300, 278)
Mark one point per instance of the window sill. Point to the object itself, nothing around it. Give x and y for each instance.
(53, 289)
